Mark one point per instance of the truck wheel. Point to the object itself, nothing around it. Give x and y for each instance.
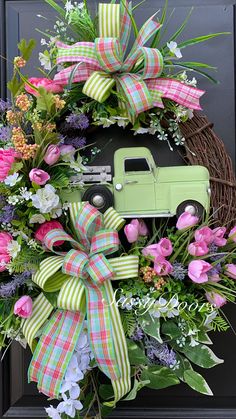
(99, 196)
(193, 207)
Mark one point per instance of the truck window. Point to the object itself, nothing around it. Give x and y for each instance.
(136, 165)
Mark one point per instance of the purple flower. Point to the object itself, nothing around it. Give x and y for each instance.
(8, 214)
(9, 288)
(138, 334)
(159, 353)
(4, 106)
(179, 271)
(77, 142)
(77, 121)
(5, 134)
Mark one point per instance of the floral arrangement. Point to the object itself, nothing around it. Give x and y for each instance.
(107, 307)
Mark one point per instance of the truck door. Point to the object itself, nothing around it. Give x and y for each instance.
(139, 189)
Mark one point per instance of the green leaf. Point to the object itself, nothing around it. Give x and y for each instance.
(199, 39)
(183, 365)
(150, 326)
(16, 167)
(45, 100)
(203, 337)
(136, 354)
(26, 49)
(56, 7)
(159, 377)
(196, 64)
(201, 355)
(138, 385)
(195, 70)
(156, 39)
(106, 391)
(171, 329)
(128, 322)
(52, 297)
(182, 27)
(197, 382)
(14, 85)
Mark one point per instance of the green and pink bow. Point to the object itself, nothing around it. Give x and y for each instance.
(103, 66)
(82, 277)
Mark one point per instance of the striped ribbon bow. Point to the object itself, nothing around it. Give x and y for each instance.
(102, 65)
(83, 277)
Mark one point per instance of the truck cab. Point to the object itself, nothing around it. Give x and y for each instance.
(141, 189)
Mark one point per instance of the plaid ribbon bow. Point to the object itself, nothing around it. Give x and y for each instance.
(83, 277)
(102, 65)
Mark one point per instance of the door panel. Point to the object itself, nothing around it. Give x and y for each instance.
(19, 399)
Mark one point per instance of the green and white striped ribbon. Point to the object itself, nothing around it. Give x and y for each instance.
(99, 86)
(112, 219)
(42, 309)
(109, 20)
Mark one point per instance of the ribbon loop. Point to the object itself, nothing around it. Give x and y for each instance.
(109, 54)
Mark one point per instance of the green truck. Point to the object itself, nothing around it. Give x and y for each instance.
(140, 189)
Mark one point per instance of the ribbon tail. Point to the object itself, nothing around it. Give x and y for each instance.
(180, 93)
(99, 86)
(136, 93)
(77, 73)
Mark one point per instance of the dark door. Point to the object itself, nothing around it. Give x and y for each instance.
(18, 19)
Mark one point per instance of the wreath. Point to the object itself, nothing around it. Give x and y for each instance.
(113, 280)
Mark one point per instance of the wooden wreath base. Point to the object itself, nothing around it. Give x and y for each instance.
(204, 147)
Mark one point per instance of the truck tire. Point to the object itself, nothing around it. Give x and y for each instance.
(194, 207)
(99, 196)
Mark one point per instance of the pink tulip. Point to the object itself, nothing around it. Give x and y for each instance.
(231, 270)
(198, 249)
(204, 234)
(218, 236)
(131, 232)
(52, 154)
(215, 299)
(143, 230)
(23, 307)
(232, 234)
(45, 228)
(197, 271)
(49, 85)
(214, 277)
(5, 239)
(161, 266)
(7, 158)
(186, 220)
(38, 176)
(162, 248)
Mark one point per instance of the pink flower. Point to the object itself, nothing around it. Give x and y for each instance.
(52, 154)
(197, 271)
(5, 239)
(162, 248)
(218, 236)
(143, 230)
(186, 220)
(38, 176)
(161, 266)
(131, 232)
(214, 277)
(23, 307)
(231, 270)
(45, 228)
(232, 234)
(215, 299)
(7, 158)
(198, 248)
(49, 85)
(204, 234)
(135, 229)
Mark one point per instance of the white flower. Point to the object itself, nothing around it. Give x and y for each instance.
(68, 6)
(73, 372)
(80, 5)
(69, 406)
(173, 47)
(141, 131)
(13, 248)
(121, 121)
(13, 200)
(37, 219)
(25, 194)
(11, 180)
(45, 199)
(45, 61)
(43, 41)
(72, 387)
(105, 122)
(52, 412)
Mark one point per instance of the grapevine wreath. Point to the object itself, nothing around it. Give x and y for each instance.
(112, 293)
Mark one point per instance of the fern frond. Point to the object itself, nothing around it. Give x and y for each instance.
(128, 322)
(219, 324)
